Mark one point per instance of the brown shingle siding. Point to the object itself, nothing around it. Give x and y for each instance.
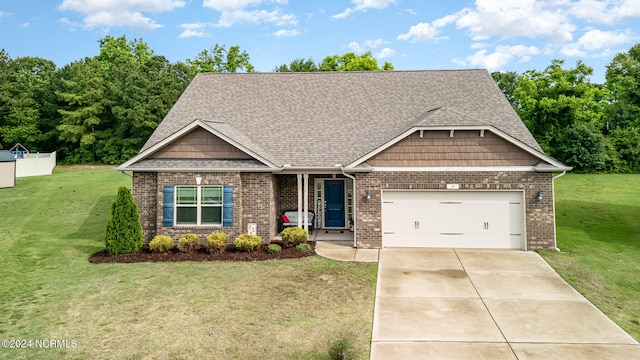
(465, 148)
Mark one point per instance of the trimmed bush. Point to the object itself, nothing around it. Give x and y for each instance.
(293, 235)
(161, 243)
(216, 241)
(246, 242)
(274, 248)
(188, 243)
(304, 247)
(124, 230)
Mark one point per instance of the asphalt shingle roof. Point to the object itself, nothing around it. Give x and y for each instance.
(326, 118)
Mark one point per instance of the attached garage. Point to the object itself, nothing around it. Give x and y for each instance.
(459, 219)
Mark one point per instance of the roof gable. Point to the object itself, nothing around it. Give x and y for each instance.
(199, 144)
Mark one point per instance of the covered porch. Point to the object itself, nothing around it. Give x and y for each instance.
(329, 197)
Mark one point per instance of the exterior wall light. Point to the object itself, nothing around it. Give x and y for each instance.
(368, 195)
(539, 195)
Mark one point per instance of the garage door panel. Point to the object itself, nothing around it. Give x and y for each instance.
(452, 219)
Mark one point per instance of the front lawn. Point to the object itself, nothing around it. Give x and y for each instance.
(49, 226)
(598, 226)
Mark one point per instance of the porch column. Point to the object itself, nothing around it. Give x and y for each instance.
(299, 199)
(305, 183)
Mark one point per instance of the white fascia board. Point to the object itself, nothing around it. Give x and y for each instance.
(559, 166)
(456, 168)
(185, 130)
(203, 170)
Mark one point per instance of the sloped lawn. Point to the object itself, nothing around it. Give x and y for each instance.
(598, 225)
(276, 309)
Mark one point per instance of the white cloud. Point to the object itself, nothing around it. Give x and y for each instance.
(598, 41)
(133, 20)
(230, 18)
(355, 47)
(193, 30)
(286, 33)
(605, 11)
(363, 5)
(374, 43)
(385, 53)
(424, 32)
(371, 44)
(500, 57)
(226, 5)
(126, 13)
(524, 18)
(421, 32)
(24, 25)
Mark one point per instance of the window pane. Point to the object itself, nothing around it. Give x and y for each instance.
(211, 195)
(212, 215)
(186, 195)
(186, 215)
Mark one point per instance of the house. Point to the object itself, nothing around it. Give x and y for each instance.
(402, 158)
(7, 169)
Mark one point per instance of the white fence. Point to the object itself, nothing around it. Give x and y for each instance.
(36, 164)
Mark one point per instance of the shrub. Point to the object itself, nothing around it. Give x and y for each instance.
(304, 247)
(246, 242)
(274, 248)
(216, 241)
(124, 230)
(188, 243)
(161, 243)
(294, 235)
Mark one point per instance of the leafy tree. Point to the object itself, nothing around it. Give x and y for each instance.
(351, 62)
(583, 147)
(24, 86)
(346, 62)
(124, 230)
(84, 94)
(559, 106)
(623, 80)
(298, 65)
(507, 82)
(626, 143)
(219, 59)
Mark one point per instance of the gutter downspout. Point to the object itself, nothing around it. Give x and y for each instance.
(355, 205)
(553, 191)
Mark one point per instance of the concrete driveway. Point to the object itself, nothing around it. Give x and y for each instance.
(477, 304)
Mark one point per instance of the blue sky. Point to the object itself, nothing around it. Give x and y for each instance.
(505, 35)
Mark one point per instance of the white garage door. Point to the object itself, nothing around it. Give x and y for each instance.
(460, 219)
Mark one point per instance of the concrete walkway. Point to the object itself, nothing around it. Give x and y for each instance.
(344, 251)
(474, 304)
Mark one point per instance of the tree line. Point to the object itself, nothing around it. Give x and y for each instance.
(102, 109)
(591, 127)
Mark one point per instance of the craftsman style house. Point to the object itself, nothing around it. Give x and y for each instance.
(401, 158)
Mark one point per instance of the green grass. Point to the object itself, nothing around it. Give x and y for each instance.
(264, 310)
(598, 232)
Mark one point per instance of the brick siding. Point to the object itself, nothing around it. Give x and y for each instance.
(539, 214)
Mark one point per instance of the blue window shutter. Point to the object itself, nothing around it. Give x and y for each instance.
(227, 205)
(167, 211)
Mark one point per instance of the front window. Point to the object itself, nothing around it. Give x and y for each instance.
(198, 205)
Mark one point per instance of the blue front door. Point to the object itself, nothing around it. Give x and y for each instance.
(334, 203)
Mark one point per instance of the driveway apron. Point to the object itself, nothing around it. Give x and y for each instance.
(486, 304)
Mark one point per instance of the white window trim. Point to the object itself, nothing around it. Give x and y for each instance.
(198, 205)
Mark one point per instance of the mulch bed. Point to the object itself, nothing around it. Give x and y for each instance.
(174, 255)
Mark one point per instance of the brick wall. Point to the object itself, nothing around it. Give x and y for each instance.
(143, 188)
(539, 214)
(259, 203)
